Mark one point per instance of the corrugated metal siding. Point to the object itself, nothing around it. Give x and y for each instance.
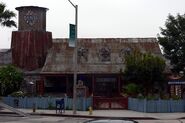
(29, 48)
(60, 57)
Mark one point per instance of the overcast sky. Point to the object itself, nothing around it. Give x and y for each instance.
(100, 18)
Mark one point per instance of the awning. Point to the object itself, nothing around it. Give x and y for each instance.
(176, 82)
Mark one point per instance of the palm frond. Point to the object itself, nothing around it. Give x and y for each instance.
(2, 7)
(9, 23)
(7, 14)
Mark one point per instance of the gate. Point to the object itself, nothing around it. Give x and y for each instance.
(110, 103)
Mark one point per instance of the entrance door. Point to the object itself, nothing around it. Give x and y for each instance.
(106, 94)
(106, 87)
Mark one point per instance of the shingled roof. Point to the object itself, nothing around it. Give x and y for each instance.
(95, 55)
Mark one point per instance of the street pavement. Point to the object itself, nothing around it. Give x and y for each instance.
(160, 121)
(53, 119)
(50, 116)
(127, 114)
(40, 119)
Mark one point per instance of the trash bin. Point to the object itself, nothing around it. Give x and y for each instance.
(60, 106)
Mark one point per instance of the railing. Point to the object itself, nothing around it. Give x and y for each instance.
(157, 106)
(46, 102)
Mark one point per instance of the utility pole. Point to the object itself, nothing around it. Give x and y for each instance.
(75, 58)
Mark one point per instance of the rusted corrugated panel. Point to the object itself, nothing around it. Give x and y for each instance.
(60, 58)
(29, 48)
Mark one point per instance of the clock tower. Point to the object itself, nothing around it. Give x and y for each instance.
(31, 42)
(32, 18)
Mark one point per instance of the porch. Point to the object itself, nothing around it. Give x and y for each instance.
(104, 88)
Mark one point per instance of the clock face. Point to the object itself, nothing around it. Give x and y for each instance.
(30, 18)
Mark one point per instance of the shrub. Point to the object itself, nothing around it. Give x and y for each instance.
(175, 97)
(140, 96)
(165, 96)
(18, 94)
(132, 89)
(152, 97)
(50, 106)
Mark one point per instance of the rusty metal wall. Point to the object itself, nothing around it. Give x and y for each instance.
(29, 48)
(99, 55)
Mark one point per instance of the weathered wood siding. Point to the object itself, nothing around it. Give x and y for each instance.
(156, 106)
(47, 102)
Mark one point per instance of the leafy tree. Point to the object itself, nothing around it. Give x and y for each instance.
(173, 41)
(10, 79)
(131, 89)
(6, 16)
(144, 68)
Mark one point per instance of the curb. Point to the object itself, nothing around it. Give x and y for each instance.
(12, 114)
(81, 116)
(96, 117)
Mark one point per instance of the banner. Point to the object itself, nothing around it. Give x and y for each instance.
(72, 35)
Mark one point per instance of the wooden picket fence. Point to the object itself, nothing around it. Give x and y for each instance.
(46, 102)
(156, 106)
(142, 105)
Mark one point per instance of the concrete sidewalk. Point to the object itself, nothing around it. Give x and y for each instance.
(128, 114)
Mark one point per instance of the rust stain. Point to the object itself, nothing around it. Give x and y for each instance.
(29, 48)
(60, 57)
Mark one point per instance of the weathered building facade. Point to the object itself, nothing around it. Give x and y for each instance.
(99, 64)
(48, 63)
(30, 45)
(31, 42)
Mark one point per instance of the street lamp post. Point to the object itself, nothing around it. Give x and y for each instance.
(75, 58)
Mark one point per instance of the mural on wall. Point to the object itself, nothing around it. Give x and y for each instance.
(83, 54)
(123, 52)
(30, 18)
(104, 54)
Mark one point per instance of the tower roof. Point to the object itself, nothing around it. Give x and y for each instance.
(31, 7)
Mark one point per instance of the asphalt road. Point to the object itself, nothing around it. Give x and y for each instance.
(161, 121)
(39, 119)
(45, 119)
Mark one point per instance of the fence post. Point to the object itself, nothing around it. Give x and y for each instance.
(84, 104)
(145, 105)
(183, 105)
